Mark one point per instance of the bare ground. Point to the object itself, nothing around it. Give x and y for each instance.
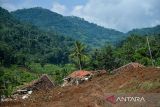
(92, 93)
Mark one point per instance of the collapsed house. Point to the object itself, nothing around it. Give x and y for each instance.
(77, 77)
(43, 83)
(132, 65)
(80, 76)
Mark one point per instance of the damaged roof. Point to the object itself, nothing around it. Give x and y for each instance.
(79, 74)
(43, 83)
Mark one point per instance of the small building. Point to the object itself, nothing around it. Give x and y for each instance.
(77, 77)
(80, 74)
(43, 83)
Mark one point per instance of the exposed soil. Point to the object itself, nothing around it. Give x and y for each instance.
(92, 93)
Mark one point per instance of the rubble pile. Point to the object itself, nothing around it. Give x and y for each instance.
(93, 93)
(77, 77)
(43, 83)
(128, 67)
(81, 76)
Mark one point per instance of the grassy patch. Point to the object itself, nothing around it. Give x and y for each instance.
(56, 72)
(149, 85)
(133, 88)
(13, 77)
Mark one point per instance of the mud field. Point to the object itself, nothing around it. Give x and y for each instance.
(92, 93)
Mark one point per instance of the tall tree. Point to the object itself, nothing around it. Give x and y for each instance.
(78, 54)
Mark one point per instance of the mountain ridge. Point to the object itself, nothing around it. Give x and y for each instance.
(74, 27)
(78, 28)
(146, 31)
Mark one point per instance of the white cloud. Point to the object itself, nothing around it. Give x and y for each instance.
(59, 8)
(14, 5)
(120, 14)
(8, 6)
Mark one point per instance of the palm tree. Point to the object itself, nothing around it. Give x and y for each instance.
(78, 53)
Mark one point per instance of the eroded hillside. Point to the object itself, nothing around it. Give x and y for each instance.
(92, 93)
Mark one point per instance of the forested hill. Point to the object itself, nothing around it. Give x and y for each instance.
(74, 27)
(146, 31)
(21, 43)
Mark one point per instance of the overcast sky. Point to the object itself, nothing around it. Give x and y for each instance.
(122, 15)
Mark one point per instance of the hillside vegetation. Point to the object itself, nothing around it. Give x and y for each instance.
(23, 44)
(71, 26)
(20, 42)
(146, 31)
(77, 28)
(28, 50)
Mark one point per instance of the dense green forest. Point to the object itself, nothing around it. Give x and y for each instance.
(77, 28)
(133, 49)
(22, 44)
(26, 52)
(146, 31)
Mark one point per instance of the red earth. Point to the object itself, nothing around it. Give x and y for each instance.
(92, 93)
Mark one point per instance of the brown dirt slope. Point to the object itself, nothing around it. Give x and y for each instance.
(91, 93)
